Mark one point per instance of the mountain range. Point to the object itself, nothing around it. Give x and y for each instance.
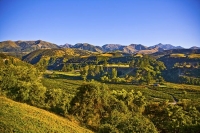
(25, 46)
(29, 46)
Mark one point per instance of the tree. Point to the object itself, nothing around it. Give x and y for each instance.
(114, 73)
(64, 68)
(84, 72)
(105, 63)
(21, 84)
(97, 70)
(57, 101)
(88, 104)
(148, 77)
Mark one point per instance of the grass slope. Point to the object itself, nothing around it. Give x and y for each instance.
(19, 117)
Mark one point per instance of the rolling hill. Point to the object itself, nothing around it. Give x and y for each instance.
(19, 117)
(54, 59)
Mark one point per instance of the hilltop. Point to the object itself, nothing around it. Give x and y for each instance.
(20, 117)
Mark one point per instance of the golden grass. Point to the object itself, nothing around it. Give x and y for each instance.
(86, 56)
(107, 55)
(177, 55)
(138, 55)
(19, 117)
(116, 65)
(194, 56)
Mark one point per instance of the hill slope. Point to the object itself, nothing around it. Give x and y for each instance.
(19, 117)
(35, 56)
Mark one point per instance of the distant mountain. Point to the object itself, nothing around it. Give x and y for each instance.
(166, 46)
(9, 46)
(87, 46)
(25, 46)
(134, 48)
(138, 47)
(29, 46)
(150, 50)
(66, 45)
(195, 47)
(112, 47)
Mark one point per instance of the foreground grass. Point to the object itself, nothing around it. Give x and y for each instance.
(19, 117)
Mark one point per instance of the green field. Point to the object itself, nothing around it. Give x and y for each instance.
(19, 117)
(70, 81)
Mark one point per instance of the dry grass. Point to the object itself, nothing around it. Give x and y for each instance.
(194, 56)
(107, 55)
(177, 55)
(19, 117)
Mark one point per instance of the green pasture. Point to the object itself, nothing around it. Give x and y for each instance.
(70, 81)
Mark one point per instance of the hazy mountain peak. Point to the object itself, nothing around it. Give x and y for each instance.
(87, 46)
(66, 45)
(166, 46)
(112, 47)
(195, 47)
(138, 46)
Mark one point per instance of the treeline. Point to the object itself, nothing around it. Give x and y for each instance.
(141, 71)
(179, 75)
(189, 80)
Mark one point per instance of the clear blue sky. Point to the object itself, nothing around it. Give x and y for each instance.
(100, 22)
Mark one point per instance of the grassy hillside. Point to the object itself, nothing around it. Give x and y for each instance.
(19, 117)
(35, 56)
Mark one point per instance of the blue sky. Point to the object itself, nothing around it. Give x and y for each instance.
(100, 22)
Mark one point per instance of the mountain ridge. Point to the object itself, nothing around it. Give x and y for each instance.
(29, 46)
(25, 46)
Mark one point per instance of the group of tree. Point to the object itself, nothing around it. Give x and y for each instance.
(179, 118)
(180, 75)
(142, 70)
(21, 81)
(103, 110)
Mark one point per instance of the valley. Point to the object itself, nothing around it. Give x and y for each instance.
(91, 90)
